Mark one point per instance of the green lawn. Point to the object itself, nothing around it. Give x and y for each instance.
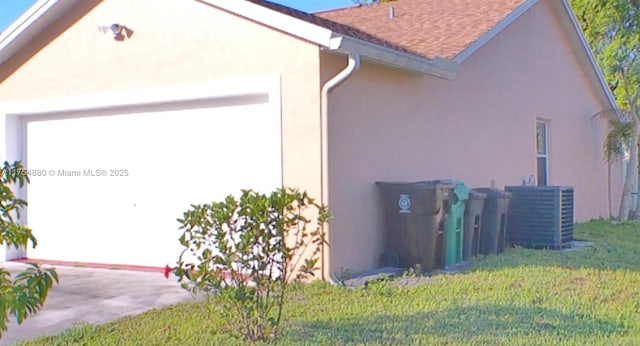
(524, 297)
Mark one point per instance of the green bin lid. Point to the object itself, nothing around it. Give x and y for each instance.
(461, 191)
(459, 188)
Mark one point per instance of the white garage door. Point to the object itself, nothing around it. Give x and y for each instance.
(156, 163)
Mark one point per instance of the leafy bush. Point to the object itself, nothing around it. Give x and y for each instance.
(25, 295)
(243, 253)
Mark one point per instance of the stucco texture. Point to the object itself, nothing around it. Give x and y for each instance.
(386, 125)
(175, 42)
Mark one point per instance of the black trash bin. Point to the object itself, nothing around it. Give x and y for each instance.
(494, 220)
(473, 224)
(414, 216)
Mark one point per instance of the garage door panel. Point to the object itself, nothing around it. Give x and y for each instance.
(89, 141)
(74, 216)
(173, 159)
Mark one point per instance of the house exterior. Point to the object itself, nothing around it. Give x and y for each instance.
(123, 126)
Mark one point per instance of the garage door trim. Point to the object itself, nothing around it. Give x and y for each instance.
(14, 115)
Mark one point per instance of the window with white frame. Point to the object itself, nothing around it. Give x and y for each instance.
(543, 154)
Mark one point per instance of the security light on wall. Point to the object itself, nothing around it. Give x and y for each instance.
(119, 31)
(116, 29)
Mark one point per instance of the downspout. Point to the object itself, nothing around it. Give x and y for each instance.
(352, 67)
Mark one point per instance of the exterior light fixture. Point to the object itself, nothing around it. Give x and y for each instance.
(119, 31)
(116, 29)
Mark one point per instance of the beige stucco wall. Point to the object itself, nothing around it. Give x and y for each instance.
(176, 42)
(383, 124)
(391, 125)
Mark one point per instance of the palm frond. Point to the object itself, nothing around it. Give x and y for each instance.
(618, 139)
(616, 114)
(619, 133)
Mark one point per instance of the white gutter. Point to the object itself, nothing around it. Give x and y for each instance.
(332, 41)
(438, 67)
(352, 67)
(44, 12)
(356, 48)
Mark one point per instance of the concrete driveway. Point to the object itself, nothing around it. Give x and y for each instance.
(87, 295)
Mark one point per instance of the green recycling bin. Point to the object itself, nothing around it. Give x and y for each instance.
(454, 225)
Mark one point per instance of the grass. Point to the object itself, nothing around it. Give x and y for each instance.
(524, 297)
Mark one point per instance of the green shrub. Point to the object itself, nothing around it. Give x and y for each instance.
(25, 295)
(242, 254)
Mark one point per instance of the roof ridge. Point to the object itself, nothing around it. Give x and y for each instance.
(359, 6)
(338, 9)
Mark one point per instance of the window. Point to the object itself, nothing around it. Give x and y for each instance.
(543, 158)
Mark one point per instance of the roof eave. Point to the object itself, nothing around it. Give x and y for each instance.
(329, 40)
(280, 21)
(592, 59)
(36, 19)
(513, 16)
(498, 28)
(44, 12)
(438, 67)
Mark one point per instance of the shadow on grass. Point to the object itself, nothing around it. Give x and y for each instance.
(615, 248)
(496, 323)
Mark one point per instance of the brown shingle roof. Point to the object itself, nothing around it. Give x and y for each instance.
(336, 27)
(430, 27)
(427, 28)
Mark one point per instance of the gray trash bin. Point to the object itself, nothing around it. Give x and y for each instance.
(473, 224)
(494, 220)
(414, 216)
